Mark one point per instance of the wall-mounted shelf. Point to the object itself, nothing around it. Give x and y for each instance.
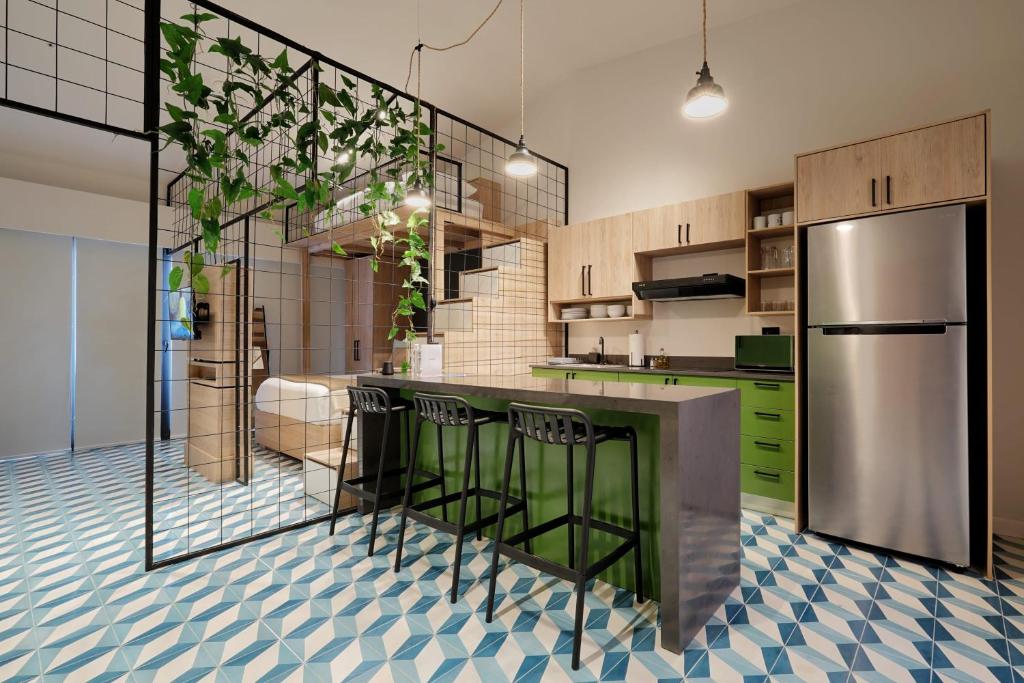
(770, 272)
(760, 202)
(768, 233)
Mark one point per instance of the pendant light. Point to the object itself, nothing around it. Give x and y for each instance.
(417, 197)
(706, 99)
(521, 163)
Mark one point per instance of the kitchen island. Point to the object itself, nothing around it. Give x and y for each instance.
(689, 453)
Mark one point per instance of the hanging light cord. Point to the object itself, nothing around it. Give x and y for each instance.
(420, 45)
(704, 16)
(522, 68)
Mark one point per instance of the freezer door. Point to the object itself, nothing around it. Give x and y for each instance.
(887, 440)
(905, 267)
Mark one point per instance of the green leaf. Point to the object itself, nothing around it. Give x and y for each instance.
(346, 101)
(225, 269)
(196, 264)
(195, 201)
(232, 48)
(281, 61)
(174, 278)
(198, 18)
(417, 300)
(327, 95)
(374, 264)
(393, 332)
(336, 248)
(211, 234)
(200, 283)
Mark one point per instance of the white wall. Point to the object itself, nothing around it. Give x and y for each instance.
(807, 76)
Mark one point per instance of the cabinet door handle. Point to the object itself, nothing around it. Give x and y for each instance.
(888, 189)
(768, 444)
(590, 281)
(768, 416)
(679, 234)
(769, 475)
(675, 381)
(874, 185)
(767, 385)
(583, 280)
(687, 233)
(666, 380)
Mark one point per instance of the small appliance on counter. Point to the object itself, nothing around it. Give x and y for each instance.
(636, 349)
(765, 352)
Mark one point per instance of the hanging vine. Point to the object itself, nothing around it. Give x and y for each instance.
(217, 138)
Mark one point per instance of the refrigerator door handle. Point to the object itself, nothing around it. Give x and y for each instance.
(885, 328)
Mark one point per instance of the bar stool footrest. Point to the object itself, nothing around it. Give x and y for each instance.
(418, 512)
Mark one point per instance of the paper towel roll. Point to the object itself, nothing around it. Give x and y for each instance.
(636, 349)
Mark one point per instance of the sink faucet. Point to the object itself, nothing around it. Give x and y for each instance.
(601, 359)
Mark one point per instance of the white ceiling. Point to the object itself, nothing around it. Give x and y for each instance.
(478, 82)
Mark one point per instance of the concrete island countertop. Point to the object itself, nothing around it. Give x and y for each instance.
(696, 449)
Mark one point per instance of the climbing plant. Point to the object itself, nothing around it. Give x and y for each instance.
(211, 127)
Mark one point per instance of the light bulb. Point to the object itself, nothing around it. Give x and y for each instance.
(417, 197)
(706, 99)
(521, 163)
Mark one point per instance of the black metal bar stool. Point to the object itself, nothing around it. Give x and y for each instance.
(374, 401)
(569, 428)
(453, 411)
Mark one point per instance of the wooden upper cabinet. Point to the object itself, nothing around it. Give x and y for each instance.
(566, 262)
(935, 164)
(838, 182)
(610, 262)
(591, 260)
(661, 228)
(722, 218)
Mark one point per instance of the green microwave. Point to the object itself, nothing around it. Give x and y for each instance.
(766, 352)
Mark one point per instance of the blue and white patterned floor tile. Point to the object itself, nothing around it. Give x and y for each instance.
(75, 603)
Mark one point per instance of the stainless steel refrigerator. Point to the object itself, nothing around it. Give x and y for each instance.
(887, 452)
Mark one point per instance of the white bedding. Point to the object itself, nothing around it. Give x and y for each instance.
(305, 401)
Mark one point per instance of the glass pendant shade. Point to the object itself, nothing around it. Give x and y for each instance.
(521, 163)
(417, 197)
(706, 99)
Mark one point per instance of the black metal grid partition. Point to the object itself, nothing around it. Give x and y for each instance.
(246, 376)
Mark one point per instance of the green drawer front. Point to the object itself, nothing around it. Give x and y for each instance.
(596, 375)
(550, 373)
(765, 452)
(777, 424)
(701, 381)
(767, 482)
(644, 377)
(767, 394)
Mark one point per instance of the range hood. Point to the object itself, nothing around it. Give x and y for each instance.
(710, 286)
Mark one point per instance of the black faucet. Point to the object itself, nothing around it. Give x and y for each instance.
(600, 358)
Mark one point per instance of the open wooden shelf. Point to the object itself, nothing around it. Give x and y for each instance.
(771, 313)
(770, 272)
(767, 233)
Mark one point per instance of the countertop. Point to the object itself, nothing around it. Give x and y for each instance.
(627, 396)
(726, 374)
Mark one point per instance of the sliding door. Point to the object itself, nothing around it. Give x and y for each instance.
(35, 342)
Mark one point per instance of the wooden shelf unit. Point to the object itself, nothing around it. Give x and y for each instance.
(761, 201)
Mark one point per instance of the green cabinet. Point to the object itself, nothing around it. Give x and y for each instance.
(766, 393)
(770, 422)
(767, 482)
(678, 380)
(592, 375)
(767, 452)
(645, 378)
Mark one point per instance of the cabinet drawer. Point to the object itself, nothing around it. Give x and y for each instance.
(596, 375)
(645, 378)
(770, 422)
(767, 482)
(701, 381)
(766, 394)
(767, 452)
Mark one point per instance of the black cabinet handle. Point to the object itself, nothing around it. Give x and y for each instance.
(687, 233)
(874, 184)
(675, 381)
(590, 282)
(769, 416)
(769, 475)
(888, 189)
(679, 234)
(768, 444)
(767, 385)
(583, 280)
(666, 380)
(355, 349)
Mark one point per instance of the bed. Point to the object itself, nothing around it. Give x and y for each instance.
(304, 416)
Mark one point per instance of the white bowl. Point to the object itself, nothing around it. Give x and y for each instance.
(599, 311)
(616, 311)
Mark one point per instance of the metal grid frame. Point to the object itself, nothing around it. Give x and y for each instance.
(543, 201)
